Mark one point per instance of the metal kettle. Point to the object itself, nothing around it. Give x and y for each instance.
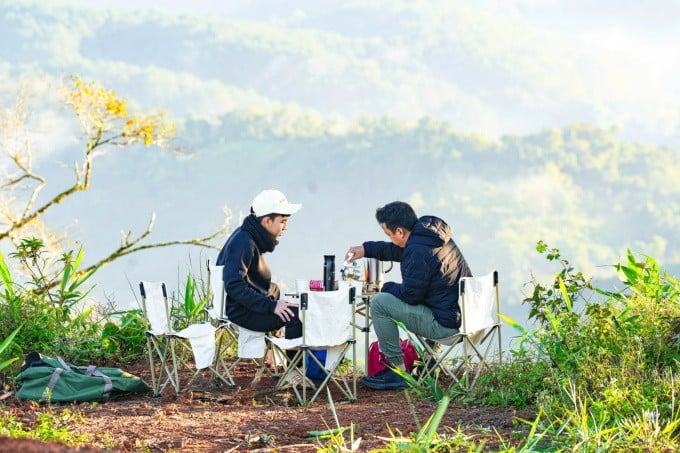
(374, 271)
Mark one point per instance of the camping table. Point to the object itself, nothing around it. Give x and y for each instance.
(362, 307)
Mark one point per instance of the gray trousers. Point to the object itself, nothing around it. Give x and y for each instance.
(385, 308)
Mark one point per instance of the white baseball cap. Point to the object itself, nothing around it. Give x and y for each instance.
(273, 202)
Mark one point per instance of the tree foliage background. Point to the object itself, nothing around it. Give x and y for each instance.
(509, 129)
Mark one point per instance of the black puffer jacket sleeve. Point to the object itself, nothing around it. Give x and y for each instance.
(416, 276)
(415, 271)
(384, 251)
(244, 280)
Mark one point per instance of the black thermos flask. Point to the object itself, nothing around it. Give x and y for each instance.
(328, 272)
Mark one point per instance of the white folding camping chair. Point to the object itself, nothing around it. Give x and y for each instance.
(250, 345)
(327, 324)
(464, 355)
(226, 332)
(163, 340)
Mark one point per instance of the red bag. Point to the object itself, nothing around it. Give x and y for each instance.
(377, 360)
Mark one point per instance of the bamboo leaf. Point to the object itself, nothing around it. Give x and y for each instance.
(66, 277)
(7, 341)
(8, 362)
(630, 275)
(433, 423)
(82, 280)
(512, 323)
(565, 294)
(6, 277)
(79, 258)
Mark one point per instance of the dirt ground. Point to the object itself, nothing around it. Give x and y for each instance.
(208, 418)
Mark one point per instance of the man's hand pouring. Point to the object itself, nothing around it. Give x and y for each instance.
(354, 253)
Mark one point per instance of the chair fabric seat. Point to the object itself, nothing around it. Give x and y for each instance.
(202, 340)
(470, 349)
(327, 324)
(162, 340)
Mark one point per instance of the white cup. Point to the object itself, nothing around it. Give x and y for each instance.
(301, 286)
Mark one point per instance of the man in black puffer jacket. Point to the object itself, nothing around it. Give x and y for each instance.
(253, 301)
(426, 301)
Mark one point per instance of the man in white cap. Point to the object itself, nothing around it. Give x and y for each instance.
(253, 301)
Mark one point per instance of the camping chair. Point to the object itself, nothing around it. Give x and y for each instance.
(226, 333)
(251, 345)
(327, 324)
(163, 340)
(464, 355)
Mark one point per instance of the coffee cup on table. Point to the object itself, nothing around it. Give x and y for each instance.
(301, 286)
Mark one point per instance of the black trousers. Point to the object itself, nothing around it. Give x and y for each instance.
(266, 322)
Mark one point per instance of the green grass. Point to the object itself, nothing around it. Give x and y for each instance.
(48, 426)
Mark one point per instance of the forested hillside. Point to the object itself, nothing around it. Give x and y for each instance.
(511, 131)
(579, 188)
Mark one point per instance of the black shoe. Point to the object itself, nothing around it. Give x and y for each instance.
(385, 380)
(377, 376)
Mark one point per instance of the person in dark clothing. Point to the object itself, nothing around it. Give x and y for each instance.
(426, 301)
(253, 301)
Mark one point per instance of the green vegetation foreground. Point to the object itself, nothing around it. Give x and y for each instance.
(600, 375)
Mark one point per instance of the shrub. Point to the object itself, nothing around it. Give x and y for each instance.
(518, 382)
(51, 308)
(49, 305)
(613, 361)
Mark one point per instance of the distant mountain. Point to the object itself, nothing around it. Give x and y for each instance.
(346, 106)
(482, 68)
(580, 189)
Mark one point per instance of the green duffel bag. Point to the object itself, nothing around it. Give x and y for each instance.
(44, 378)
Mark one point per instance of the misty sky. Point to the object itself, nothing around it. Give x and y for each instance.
(623, 54)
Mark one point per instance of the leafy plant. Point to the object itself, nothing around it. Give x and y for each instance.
(4, 345)
(428, 438)
(123, 337)
(50, 305)
(611, 362)
(519, 382)
(555, 298)
(53, 310)
(189, 307)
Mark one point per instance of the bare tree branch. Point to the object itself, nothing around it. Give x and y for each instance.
(129, 246)
(106, 124)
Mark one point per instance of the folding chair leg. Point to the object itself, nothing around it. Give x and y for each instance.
(434, 365)
(261, 367)
(261, 364)
(297, 358)
(483, 357)
(155, 385)
(167, 372)
(220, 370)
(299, 364)
(221, 373)
(174, 379)
(343, 386)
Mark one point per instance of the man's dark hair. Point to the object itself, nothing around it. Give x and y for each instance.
(397, 215)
